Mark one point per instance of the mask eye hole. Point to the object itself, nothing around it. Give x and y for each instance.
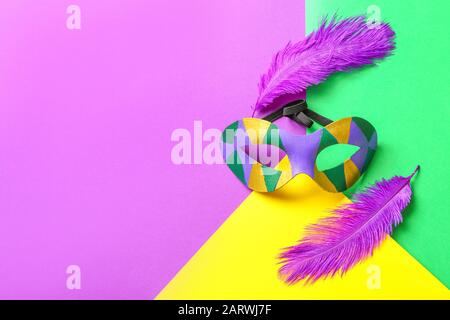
(335, 155)
(266, 154)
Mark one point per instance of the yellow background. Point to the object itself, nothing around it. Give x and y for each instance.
(239, 261)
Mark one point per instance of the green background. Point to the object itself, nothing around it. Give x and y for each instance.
(406, 98)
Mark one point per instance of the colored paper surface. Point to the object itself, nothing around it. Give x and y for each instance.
(239, 260)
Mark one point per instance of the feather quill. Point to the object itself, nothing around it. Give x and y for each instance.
(338, 242)
(335, 46)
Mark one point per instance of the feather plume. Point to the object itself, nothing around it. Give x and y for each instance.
(335, 46)
(338, 242)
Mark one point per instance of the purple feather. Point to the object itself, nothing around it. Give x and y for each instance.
(337, 243)
(335, 46)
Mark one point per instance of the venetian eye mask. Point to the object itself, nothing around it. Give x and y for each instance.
(265, 157)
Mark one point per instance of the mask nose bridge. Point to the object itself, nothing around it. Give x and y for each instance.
(302, 152)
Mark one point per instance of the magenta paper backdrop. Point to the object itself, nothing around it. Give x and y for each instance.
(86, 176)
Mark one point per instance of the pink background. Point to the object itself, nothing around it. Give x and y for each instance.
(86, 118)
